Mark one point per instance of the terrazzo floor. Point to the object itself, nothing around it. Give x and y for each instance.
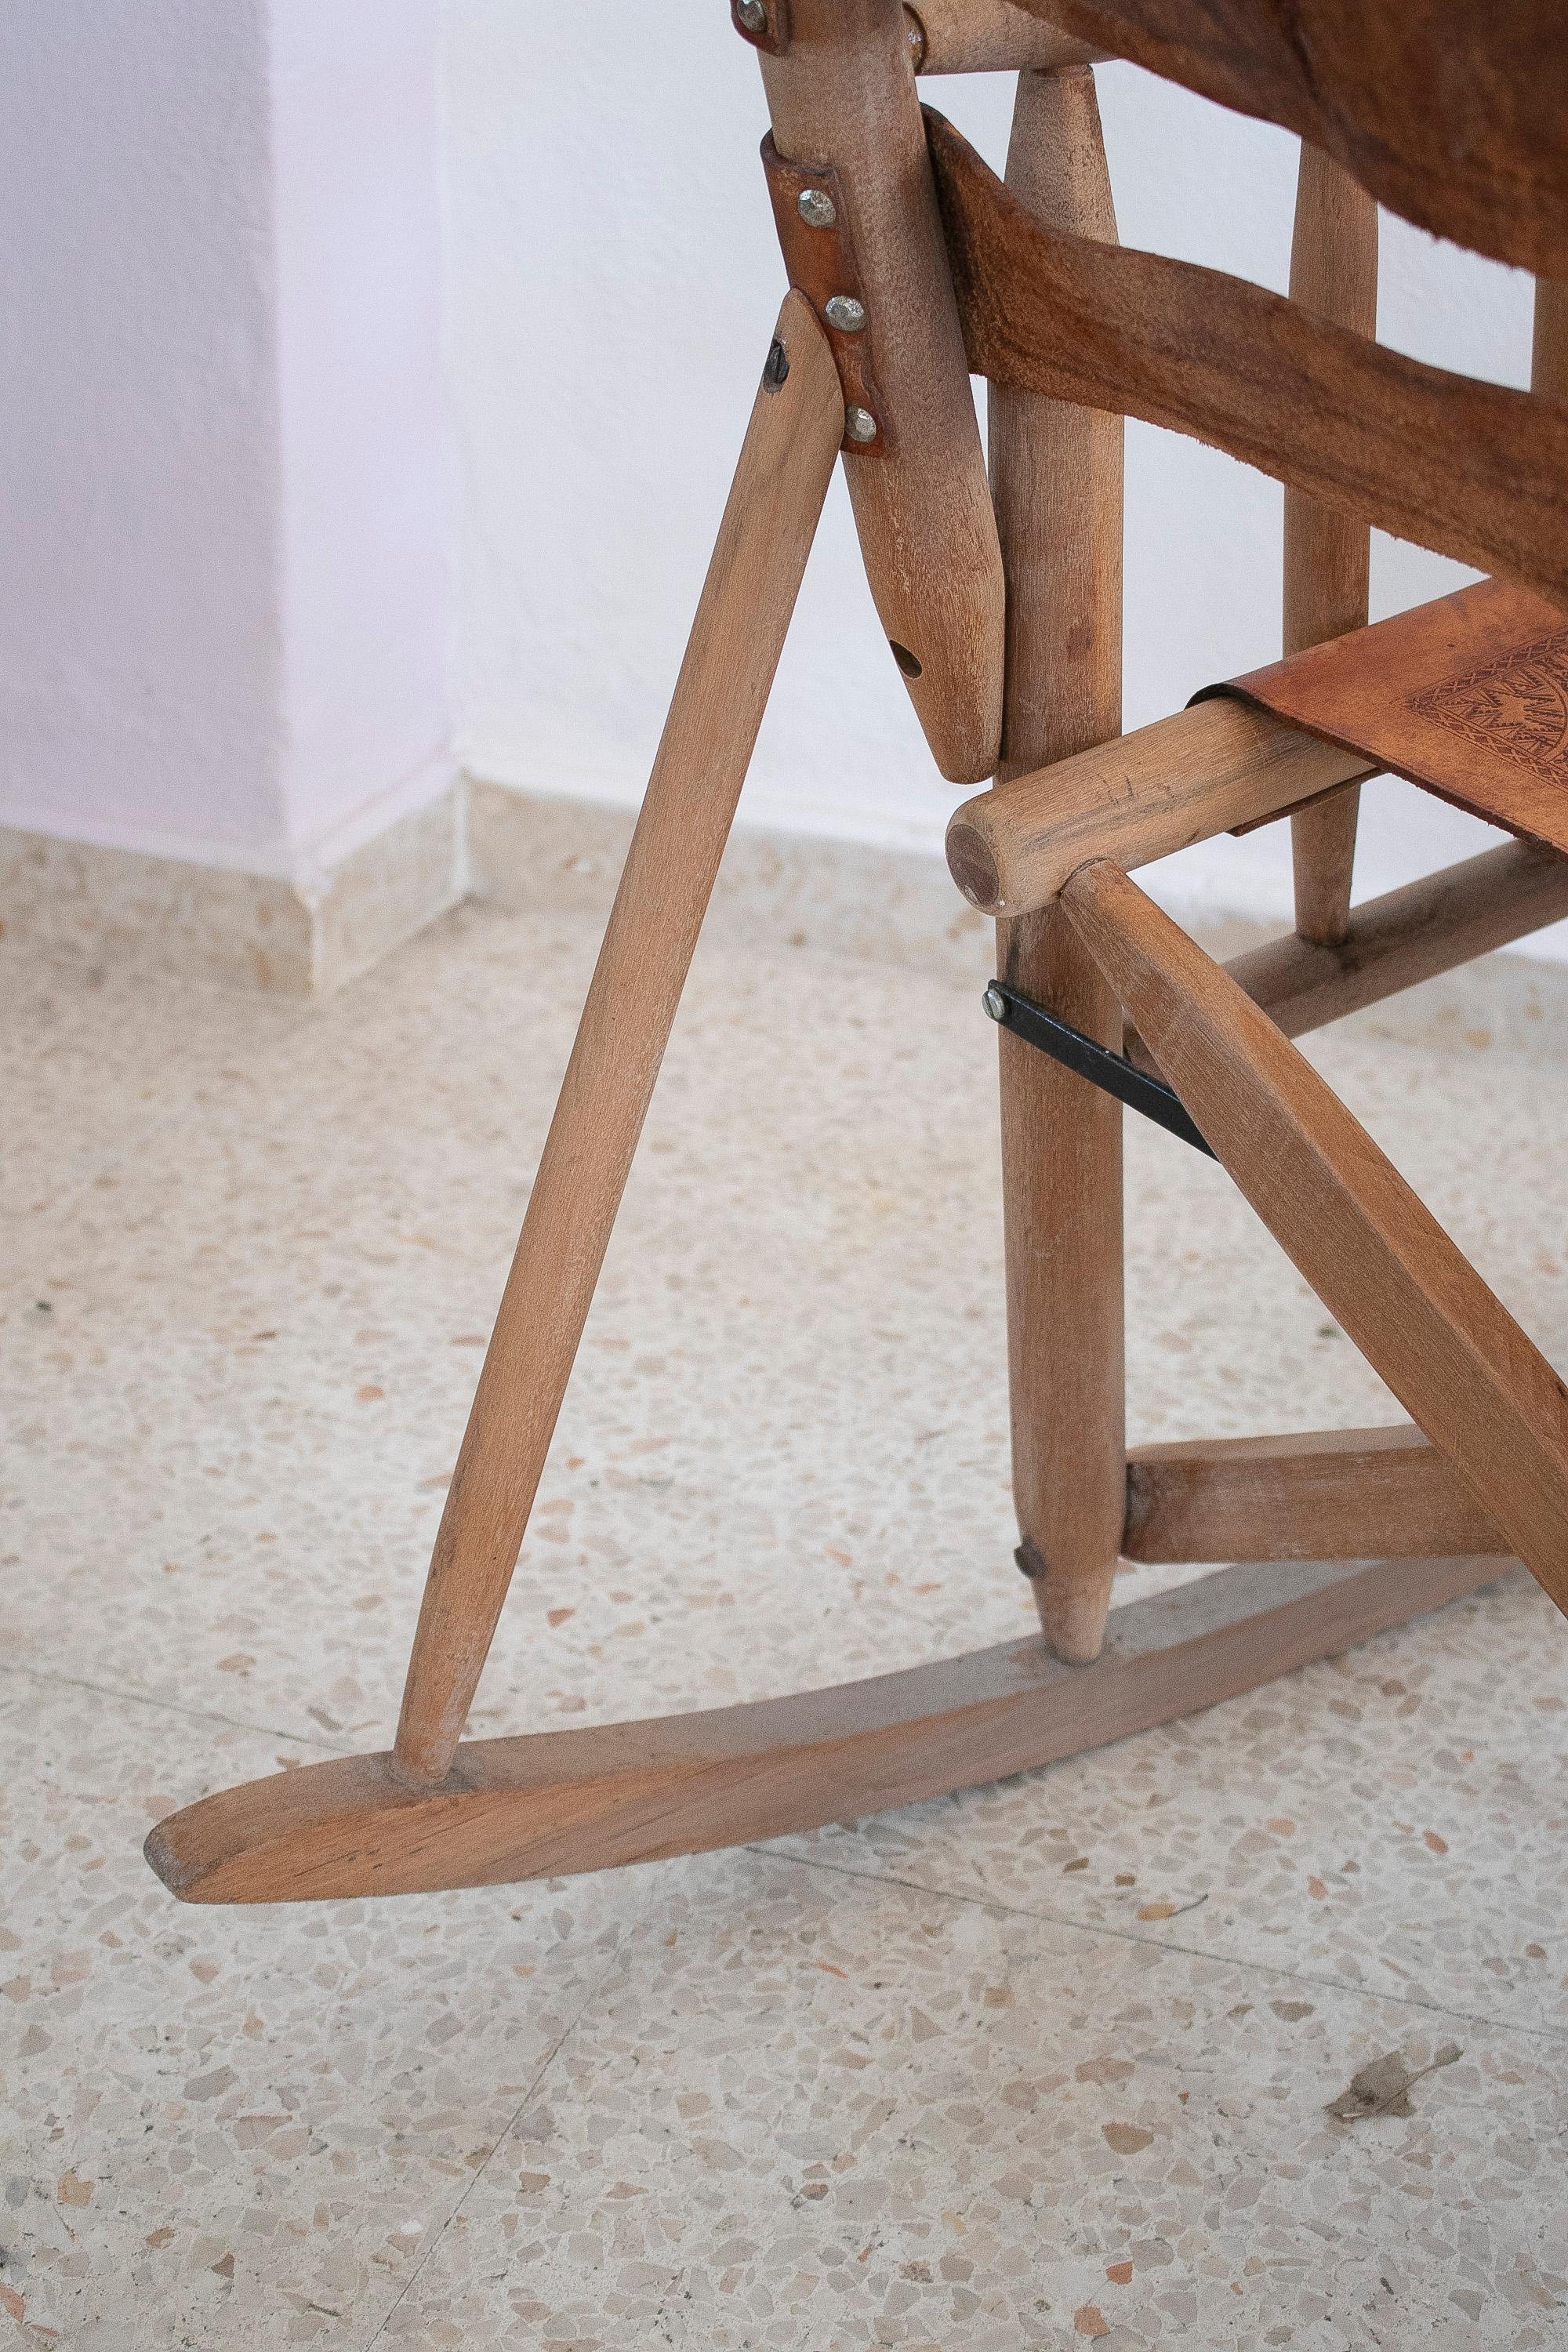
(1044, 2063)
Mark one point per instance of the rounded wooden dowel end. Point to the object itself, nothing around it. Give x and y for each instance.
(974, 868)
(1073, 1611)
(1143, 796)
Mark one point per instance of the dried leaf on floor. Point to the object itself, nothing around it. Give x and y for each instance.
(1382, 2087)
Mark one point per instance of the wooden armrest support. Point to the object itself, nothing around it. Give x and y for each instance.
(949, 37)
(1137, 799)
(842, 95)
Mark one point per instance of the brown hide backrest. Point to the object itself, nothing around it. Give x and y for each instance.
(1451, 112)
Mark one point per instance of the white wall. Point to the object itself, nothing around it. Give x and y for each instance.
(612, 278)
(223, 597)
(242, 243)
(365, 517)
(139, 457)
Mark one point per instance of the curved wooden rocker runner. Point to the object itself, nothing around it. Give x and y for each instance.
(910, 262)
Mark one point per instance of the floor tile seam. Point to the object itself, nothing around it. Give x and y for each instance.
(53, 1680)
(1274, 1969)
(530, 2094)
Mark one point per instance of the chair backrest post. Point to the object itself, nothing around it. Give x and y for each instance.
(1057, 470)
(1327, 557)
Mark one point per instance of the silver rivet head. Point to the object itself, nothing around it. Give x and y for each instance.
(843, 311)
(753, 14)
(816, 208)
(860, 423)
(996, 1003)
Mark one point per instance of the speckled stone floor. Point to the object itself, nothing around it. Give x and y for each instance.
(1040, 2063)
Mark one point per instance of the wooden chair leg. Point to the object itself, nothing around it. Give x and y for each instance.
(1334, 272)
(769, 523)
(1374, 1254)
(1057, 480)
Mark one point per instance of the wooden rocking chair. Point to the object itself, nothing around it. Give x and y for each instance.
(912, 265)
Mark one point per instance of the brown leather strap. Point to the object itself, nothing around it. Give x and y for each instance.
(822, 265)
(1466, 697)
(1476, 471)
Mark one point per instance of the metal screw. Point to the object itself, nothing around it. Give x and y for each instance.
(775, 367)
(753, 14)
(996, 1003)
(843, 311)
(860, 423)
(816, 208)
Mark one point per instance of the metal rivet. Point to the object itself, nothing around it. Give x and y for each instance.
(753, 14)
(816, 208)
(843, 311)
(996, 1004)
(860, 423)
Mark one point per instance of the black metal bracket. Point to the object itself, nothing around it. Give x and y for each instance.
(1113, 1074)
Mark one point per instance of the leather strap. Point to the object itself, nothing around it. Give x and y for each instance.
(822, 265)
(1466, 697)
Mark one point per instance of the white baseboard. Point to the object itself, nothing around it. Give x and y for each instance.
(92, 905)
(778, 890)
(529, 851)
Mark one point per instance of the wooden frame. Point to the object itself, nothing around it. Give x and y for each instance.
(1003, 595)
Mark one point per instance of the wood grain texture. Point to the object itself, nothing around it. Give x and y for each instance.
(950, 37)
(1377, 1258)
(1465, 696)
(1056, 478)
(1472, 469)
(1408, 935)
(1143, 797)
(1549, 342)
(1334, 275)
(844, 94)
(1453, 115)
(1327, 1494)
(592, 1799)
(786, 463)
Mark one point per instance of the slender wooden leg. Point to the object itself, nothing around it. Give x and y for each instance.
(1057, 480)
(785, 466)
(1380, 1262)
(1333, 271)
